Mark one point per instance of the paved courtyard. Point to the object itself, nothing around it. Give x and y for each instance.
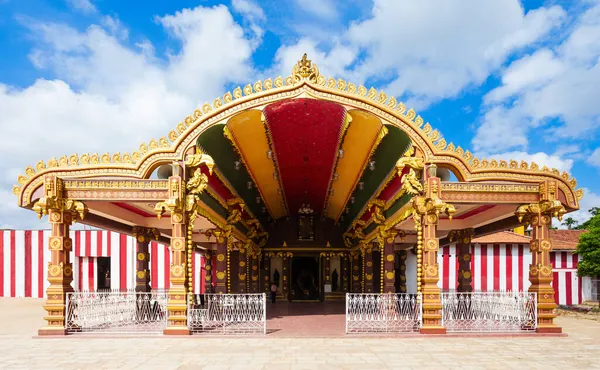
(20, 318)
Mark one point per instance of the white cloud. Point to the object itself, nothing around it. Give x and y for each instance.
(434, 50)
(249, 9)
(325, 9)
(332, 63)
(254, 15)
(590, 199)
(554, 90)
(110, 97)
(594, 159)
(83, 6)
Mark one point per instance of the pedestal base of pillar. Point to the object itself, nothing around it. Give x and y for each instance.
(433, 330)
(553, 329)
(46, 332)
(176, 331)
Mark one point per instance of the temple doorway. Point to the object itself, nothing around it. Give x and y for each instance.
(306, 280)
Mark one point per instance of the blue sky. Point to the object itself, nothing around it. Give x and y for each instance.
(505, 79)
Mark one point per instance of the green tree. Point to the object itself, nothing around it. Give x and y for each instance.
(570, 223)
(589, 249)
(595, 211)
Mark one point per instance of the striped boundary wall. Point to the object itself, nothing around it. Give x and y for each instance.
(505, 267)
(24, 257)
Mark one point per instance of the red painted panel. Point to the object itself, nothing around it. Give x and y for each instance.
(555, 286)
(123, 262)
(446, 268)
(154, 265)
(41, 263)
(496, 267)
(13, 263)
(133, 209)
(2, 262)
(521, 277)
(216, 185)
(483, 271)
(509, 271)
(305, 137)
(27, 266)
(569, 287)
(88, 243)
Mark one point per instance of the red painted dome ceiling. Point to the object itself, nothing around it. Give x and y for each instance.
(304, 154)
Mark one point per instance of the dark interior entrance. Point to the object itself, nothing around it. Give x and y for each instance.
(103, 272)
(306, 284)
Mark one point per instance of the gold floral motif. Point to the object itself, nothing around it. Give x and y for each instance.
(220, 275)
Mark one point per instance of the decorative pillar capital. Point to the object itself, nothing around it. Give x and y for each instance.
(463, 236)
(53, 201)
(145, 234)
(542, 212)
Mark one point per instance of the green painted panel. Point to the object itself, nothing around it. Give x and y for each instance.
(399, 203)
(214, 143)
(220, 210)
(391, 148)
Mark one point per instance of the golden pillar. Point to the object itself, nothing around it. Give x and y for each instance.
(177, 303)
(463, 251)
(326, 267)
(221, 261)
(355, 271)
(143, 236)
(388, 276)
(367, 268)
(345, 281)
(243, 269)
(254, 273)
(208, 267)
(539, 216)
(266, 273)
(426, 216)
(286, 257)
(62, 212)
(402, 255)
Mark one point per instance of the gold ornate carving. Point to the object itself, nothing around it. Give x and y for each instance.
(423, 135)
(305, 70)
(53, 200)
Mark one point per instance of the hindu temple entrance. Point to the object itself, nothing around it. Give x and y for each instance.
(306, 279)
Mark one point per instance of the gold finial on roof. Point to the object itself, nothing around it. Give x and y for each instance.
(305, 69)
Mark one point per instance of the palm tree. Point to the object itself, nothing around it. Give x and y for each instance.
(569, 222)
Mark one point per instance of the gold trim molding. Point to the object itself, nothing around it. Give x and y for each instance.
(308, 81)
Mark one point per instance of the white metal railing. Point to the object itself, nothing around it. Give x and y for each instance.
(383, 312)
(489, 311)
(228, 314)
(116, 312)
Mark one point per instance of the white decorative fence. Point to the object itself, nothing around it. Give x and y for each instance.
(228, 314)
(383, 313)
(116, 312)
(489, 311)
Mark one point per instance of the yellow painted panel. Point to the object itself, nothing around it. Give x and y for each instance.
(361, 137)
(250, 138)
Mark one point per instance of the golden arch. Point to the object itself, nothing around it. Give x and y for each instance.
(305, 81)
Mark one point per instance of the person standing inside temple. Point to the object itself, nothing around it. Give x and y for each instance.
(273, 292)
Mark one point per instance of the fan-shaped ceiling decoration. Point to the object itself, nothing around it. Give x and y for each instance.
(305, 154)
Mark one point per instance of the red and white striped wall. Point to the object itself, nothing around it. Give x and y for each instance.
(505, 267)
(24, 258)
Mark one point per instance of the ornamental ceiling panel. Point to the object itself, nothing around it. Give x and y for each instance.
(248, 133)
(362, 137)
(376, 177)
(306, 135)
(230, 170)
